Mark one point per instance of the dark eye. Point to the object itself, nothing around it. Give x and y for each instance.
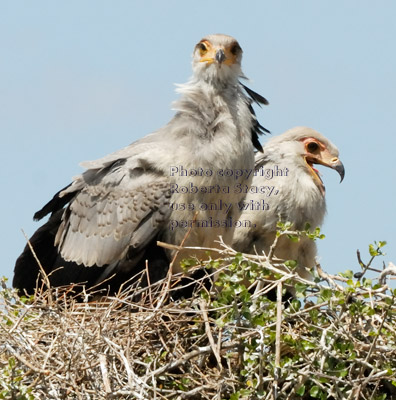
(312, 146)
(202, 47)
(235, 49)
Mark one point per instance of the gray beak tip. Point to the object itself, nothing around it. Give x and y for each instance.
(220, 56)
(341, 170)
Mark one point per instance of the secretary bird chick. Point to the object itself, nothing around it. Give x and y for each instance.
(286, 187)
(105, 223)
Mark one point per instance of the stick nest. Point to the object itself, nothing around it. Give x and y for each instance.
(334, 340)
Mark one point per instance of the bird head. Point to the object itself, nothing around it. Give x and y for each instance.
(217, 58)
(308, 147)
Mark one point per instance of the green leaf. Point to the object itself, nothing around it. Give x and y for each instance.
(259, 320)
(300, 289)
(293, 238)
(373, 252)
(325, 294)
(291, 264)
(187, 263)
(367, 282)
(295, 305)
(240, 394)
(347, 274)
(11, 362)
(301, 390)
(314, 391)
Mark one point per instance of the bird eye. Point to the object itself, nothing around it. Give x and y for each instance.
(202, 48)
(312, 146)
(235, 49)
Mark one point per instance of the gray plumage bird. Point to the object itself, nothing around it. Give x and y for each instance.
(287, 187)
(107, 220)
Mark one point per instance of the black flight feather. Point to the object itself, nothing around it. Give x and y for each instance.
(257, 98)
(257, 128)
(55, 204)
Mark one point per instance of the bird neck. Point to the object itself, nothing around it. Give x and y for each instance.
(209, 88)
(206, 99)
(218, 76)
(214, 110)
(300, 199)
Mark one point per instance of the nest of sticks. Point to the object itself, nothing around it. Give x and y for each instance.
(238, 339)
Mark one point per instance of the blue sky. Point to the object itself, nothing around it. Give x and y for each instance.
(80, 79)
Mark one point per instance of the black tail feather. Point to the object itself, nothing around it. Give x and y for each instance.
(27, 274)
(55, 204)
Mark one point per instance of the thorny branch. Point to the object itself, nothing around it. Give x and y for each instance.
(341, 340)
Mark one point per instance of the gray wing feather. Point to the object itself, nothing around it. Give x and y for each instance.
(117, 209)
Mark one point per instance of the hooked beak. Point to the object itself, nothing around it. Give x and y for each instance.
(339, 167)
(333, 163)
(220, 56)
(324, 159)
